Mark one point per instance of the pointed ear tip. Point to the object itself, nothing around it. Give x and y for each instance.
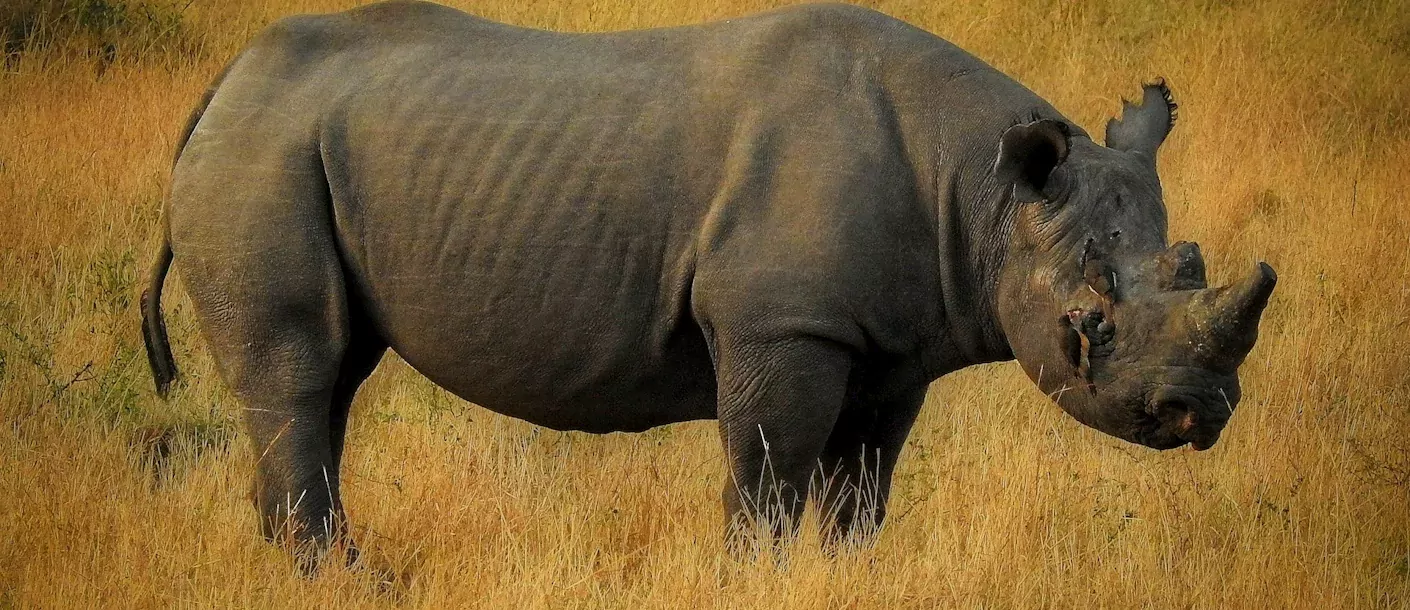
(1057, 132)
(1160, 86)
(1040, 124)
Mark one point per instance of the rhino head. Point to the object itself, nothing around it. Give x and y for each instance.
(1120, 330)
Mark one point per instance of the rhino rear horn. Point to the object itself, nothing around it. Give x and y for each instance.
(1182, 267)
(1142, 128)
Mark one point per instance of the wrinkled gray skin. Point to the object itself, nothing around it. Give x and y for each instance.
(791, 222)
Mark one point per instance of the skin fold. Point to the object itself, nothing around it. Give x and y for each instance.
(791, 222)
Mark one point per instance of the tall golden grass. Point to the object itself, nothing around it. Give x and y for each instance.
(1292, 147)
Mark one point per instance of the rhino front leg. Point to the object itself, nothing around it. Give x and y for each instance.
(854, 472)
(778, 403)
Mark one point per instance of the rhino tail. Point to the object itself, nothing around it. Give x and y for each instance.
(154, 326)
(154, 335)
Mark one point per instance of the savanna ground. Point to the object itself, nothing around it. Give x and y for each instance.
(1292, 147)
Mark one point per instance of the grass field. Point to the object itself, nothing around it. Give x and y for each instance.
(1293, 147)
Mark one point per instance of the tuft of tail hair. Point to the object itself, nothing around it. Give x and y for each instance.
(154, 326)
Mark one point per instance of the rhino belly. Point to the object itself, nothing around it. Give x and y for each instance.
(552, 374)
(547, 337)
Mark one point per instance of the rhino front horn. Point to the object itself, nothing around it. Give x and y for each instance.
(1233, 315)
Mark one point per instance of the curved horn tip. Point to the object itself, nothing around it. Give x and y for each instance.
(1248, 294)
(1269, 275)
(1251, 294)
(1261, 282)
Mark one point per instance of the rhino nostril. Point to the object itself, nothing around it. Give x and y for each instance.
(1181, 419)
(1176, 417)
(1185, 424)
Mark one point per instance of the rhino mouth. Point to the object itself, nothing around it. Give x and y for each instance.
(1152, 432)
(1168, 423)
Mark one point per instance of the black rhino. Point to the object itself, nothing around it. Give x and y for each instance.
(790, 222)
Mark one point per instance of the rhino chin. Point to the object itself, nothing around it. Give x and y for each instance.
(1164, 443)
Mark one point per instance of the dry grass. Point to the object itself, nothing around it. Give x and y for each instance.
(1292, 147)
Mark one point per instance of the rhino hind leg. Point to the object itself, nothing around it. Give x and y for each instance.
(272, 303)
(286, 378)
(853, 478)
(364, 351)
(297, 398)
(361, 356)
(289, 391)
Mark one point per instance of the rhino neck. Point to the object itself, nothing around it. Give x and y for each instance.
(951, 109)
(975, 217)
(975, 221)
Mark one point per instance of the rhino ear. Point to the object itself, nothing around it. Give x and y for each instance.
(1142, 128)
(1028, 153)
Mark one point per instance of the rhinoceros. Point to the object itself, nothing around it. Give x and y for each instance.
(791, 222)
